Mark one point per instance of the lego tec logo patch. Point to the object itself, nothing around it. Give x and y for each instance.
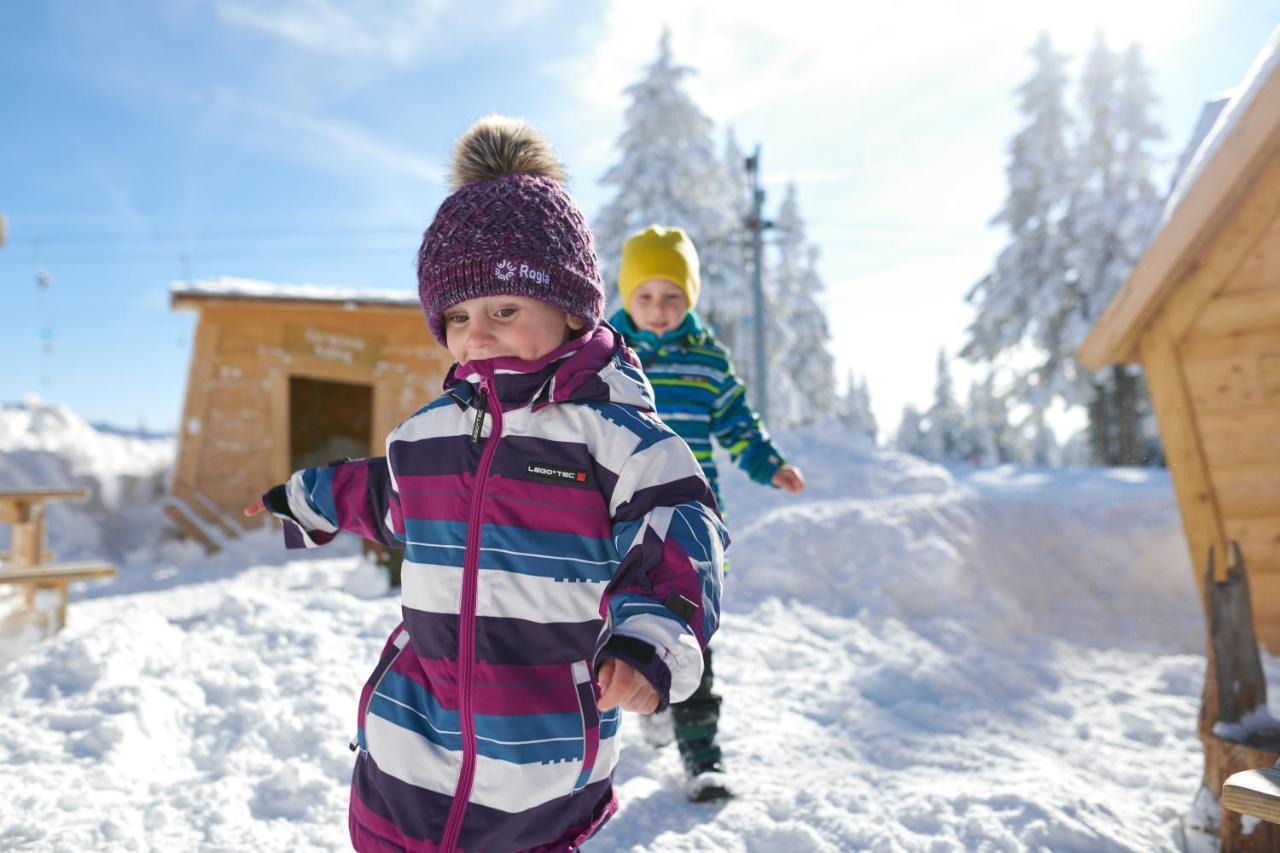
(557, 474)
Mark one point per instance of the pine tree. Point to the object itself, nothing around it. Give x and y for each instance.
(986, 424)
(910, 437)
(944, 429)
(854, 409)
(1079, 218)
(802, 384)
(1116, 207)
(734, 305)
(1020, 299)
(669, 173)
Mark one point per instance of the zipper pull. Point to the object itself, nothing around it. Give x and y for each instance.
(480, 410)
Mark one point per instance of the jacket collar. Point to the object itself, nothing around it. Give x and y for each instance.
(690, 332)
(597, 366)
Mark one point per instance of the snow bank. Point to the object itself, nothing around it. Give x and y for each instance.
(1094, 556)
(44, 444)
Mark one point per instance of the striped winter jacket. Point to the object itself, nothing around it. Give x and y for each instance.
(549, 520)
(698, 396)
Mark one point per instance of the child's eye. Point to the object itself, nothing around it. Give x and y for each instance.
(456, 319)
(504, 313)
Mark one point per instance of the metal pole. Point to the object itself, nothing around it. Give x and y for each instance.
(756, 225)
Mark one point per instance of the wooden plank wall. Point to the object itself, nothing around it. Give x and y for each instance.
(1231, 360)
(235, 431)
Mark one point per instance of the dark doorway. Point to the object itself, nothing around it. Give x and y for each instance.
(328, 421)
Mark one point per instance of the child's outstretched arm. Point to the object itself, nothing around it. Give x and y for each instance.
(663, 605)
(358, 496)
(738, 429)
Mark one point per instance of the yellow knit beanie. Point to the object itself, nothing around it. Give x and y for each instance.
(659, 252)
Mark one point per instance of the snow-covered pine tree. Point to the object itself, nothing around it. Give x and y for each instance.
(944, 422)
(1020, 301)
(854, 408)
(734, 305)
(669, 173)
(1078, 221)
(1116, 205)
(986, 424)
(910, 437)
(802, 386)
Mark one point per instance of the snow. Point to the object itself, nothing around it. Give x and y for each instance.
(226, 286)
(912, 658)
(1264, 67)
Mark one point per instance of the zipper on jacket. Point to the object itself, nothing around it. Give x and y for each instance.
(481, 403)
(467, 621)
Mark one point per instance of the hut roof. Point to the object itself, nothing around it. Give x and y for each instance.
(186, 294)
(1214, 178)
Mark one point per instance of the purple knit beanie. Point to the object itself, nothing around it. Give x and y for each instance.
(508, 229)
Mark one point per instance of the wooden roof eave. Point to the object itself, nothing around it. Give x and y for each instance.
(1191, 226)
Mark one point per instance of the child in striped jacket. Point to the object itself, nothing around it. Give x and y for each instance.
(698, 396)
(563, 552)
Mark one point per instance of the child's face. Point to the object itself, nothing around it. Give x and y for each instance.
(505, 326)
(658, 306)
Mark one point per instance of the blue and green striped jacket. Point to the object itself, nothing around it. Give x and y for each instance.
(698, 396)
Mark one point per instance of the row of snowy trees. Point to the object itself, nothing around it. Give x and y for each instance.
(984, 430)
(671, 172)
(1081, 207)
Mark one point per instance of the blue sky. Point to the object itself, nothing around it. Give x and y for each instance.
(303, 141)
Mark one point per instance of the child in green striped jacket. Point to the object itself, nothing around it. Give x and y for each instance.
(698, 396)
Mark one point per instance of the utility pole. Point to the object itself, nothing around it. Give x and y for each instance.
(756, 224)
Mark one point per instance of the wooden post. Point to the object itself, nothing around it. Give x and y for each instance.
(1235, 686)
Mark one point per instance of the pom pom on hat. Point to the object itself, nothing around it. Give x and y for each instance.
(509, 228)
(498, 145)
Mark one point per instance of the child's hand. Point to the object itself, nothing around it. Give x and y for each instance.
(254, 508)
(621, 684)
(789, 479)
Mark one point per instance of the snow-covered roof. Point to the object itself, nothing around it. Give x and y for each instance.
(1225, 158)
(225, 287)
(1228, 116)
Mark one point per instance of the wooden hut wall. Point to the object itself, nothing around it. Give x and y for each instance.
(1225, 319)
(235, 431)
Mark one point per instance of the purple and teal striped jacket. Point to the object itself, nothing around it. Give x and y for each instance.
(549, 521)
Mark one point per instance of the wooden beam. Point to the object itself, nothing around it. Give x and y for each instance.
(1241, 436)
(1231, 374)
(1254, 792)
(1201, 519)
(1229, 247)
(1247, 491)
(1231, 314)
(1241, 153)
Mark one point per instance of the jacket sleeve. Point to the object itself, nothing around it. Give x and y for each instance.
(358, 496)
(738, 429)
(663, 604)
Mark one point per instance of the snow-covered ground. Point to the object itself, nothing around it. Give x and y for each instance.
(912, 658)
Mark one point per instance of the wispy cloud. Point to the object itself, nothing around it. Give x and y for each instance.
(371, 31)
(337, 146)
(396, 32)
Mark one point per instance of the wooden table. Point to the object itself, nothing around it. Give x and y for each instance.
(23, 511)
(27, 562)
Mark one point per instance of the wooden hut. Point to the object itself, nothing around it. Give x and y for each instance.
(288, 376)
(1201, 313)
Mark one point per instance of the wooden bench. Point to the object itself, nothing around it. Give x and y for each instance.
(56, 576)
(27, 561)
(1254, 792)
